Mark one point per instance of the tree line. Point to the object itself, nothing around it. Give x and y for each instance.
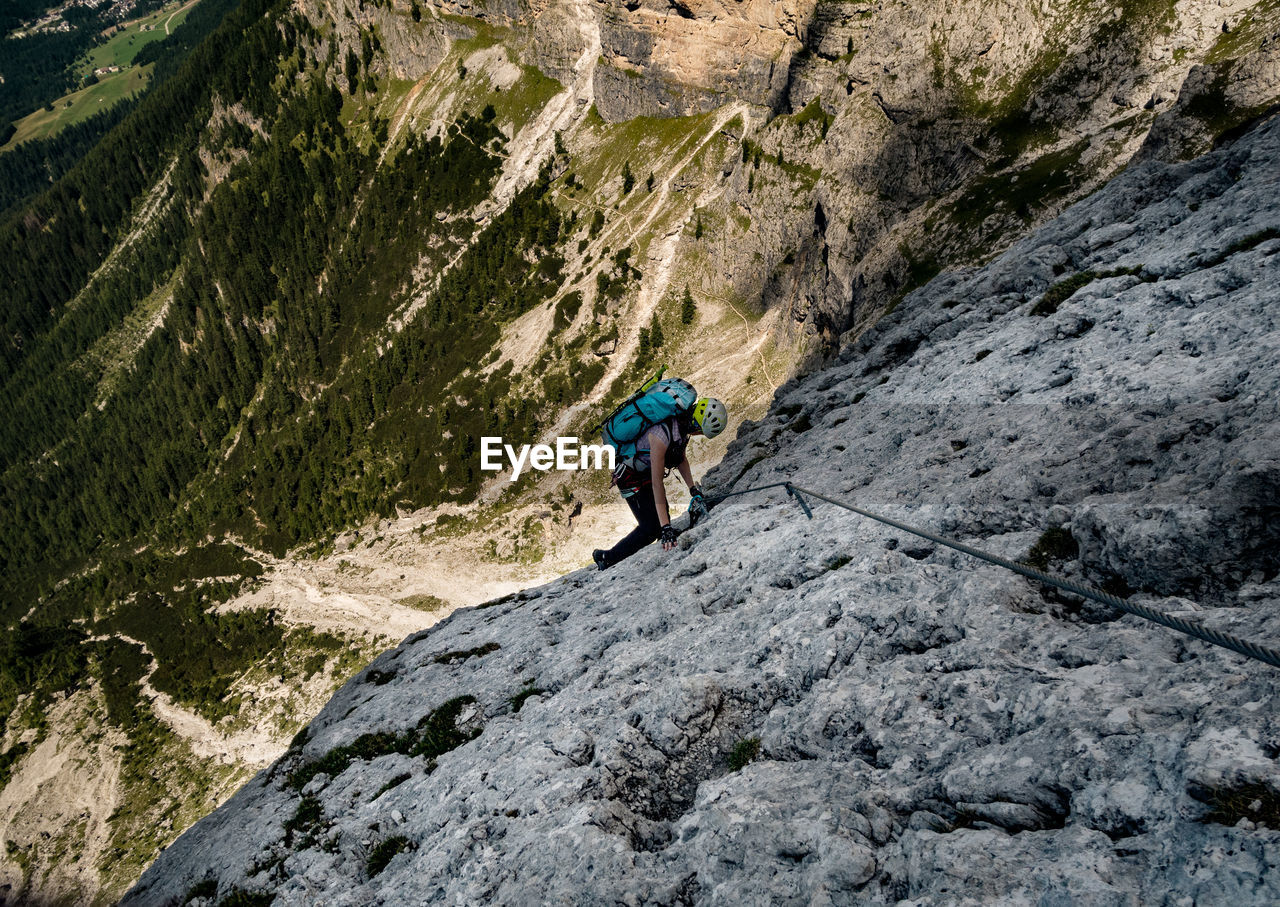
(269, 402)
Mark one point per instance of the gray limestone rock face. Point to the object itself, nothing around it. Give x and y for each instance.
(689, 56)
(1209, 96)
(831, 711)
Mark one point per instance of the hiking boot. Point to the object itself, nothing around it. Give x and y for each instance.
(601, 557)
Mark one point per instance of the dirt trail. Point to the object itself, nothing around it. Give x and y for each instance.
(653, 290)
(526, 153)
(752, 346)
(255, 747)
(406, 106)
(176, 12)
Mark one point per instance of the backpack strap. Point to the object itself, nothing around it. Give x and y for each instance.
(667, 426)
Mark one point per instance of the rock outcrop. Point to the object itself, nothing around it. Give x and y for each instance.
(687, 57)
(891, 138)
(1213, 99)
(829, 711)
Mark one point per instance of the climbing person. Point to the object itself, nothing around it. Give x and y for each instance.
(658, 447)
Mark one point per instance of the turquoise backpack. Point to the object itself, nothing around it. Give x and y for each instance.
(654, 403)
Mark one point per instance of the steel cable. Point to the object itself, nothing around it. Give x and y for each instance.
(1191, 628)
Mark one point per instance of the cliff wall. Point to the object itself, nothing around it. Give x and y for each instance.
(829, 711)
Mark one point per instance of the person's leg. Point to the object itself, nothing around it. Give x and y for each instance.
(647, 530)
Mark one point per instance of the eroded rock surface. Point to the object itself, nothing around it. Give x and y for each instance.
(915, 725)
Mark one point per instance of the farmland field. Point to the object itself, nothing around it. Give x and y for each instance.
(119, 50)
(124, 45)
(80, 104)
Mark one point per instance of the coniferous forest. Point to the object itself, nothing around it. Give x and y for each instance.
(34, 165)
(267, 235)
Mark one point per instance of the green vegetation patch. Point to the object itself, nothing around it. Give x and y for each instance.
(446, 658)
(651, 138)
(200, 652)
(1022, 192)
(1013, 128)
(1210, 106)
(305, 823)
(1241, 245)
(1054, 73)
(169, 603)
(424, 602)
(79, 105)
(42, 660)
(835, 563)
(795, 171)
(392, 783)
(813, 112)
(121, 665)
(8, 759)
(306, 652)
(384, 851)
(205, 889)
(1248, 34)
(801, 424)
(1056, 544)
(567, 309)
(164, 789)
(435, 735)
(1223, 120)
(921, 268)
(519, 699)
(744, 753)
(483, 32)
(1063, 290)
(524, 99)
(131, 37)
(1255, 801)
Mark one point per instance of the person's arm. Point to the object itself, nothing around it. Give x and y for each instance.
(657, 459)
(686, 473)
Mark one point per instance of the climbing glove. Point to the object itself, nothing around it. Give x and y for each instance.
(697, 505)
(668, 537)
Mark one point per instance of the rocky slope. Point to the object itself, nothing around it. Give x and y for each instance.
(828, 711)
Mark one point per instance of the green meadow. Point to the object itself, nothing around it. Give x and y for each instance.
(123, 46)
(80, 104)
(118, 50)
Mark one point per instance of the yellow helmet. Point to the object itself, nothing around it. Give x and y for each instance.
(710, 415)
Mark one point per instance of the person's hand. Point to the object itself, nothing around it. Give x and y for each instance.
(697, 506)
(669, 534)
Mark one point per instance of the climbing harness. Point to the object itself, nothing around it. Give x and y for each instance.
(1191, 628)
